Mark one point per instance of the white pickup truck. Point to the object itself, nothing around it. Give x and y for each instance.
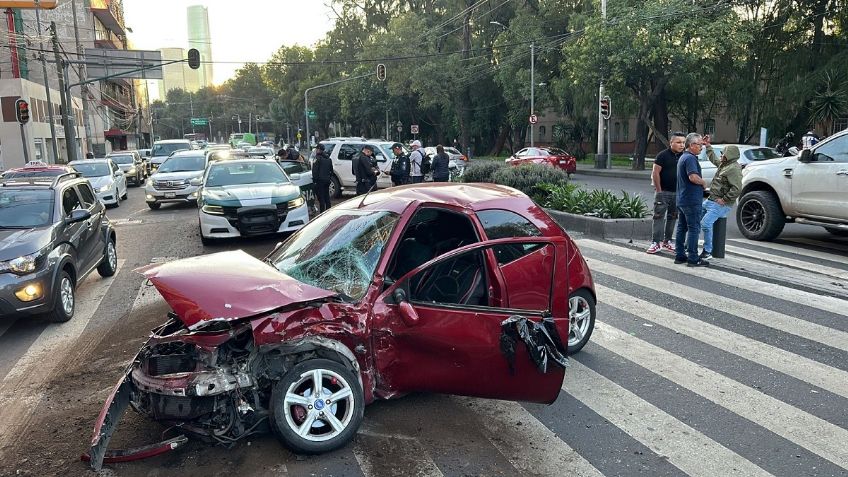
(811, 188)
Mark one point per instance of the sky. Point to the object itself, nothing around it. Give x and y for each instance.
(242, 31)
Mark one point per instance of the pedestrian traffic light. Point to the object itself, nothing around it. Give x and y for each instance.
(381, 72)
(22, 111)
(605, 107)
(193, 59)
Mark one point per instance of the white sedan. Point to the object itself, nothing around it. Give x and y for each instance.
(106, 178)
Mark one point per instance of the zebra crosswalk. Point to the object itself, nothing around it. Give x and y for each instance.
(690, 371)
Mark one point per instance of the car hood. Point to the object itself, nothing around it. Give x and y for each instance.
(250, 194)
(176, 176)
(226, 286)
(100, 182)
(16, 243)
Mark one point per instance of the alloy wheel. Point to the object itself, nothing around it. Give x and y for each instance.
(319, 405)
(66, 294)
(753, 215)
(580, 319)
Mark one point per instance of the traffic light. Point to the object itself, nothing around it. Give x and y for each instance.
(605, 107)
(381, 72)
(193, 59)
(22, 111)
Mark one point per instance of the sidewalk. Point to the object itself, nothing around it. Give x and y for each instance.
(624, 172)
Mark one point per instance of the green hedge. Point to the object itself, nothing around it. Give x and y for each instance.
(527, 177)
(481, 171)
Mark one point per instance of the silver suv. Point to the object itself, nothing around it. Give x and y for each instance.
(342, 150)
(805, 189)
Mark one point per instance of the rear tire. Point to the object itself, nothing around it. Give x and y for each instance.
(581, 315)
(109, 265)
(759, 216)
(293, 407)
(335, 187)
(65, 305)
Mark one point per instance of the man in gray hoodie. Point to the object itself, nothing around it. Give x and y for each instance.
(724, 190)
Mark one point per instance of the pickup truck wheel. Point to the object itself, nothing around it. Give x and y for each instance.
(335, 187)
(837, 232)
(317, 406)
(759, 216)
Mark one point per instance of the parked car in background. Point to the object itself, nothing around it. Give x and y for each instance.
(131, 164)
(747, 155)
(374, 299)
(551, 156)
(260, 151)
(37, 169)
(53, 233)
(177, 179)
(342, 150)
(105, 177)
(163, 149)
(248, 197)
(144, 153)
(458, 161)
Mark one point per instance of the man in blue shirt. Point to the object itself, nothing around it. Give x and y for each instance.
(690, 196)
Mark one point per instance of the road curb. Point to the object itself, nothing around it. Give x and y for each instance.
(620, 174)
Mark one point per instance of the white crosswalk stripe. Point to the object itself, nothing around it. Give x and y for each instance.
(791, 262)
(803, 252)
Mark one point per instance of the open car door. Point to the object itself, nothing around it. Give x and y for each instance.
(439, 327)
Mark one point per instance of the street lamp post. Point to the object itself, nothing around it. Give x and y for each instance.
(237, 116)
(532, 73)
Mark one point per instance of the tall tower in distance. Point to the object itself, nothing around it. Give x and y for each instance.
(199, 37)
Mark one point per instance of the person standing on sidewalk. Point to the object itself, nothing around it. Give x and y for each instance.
(441, 165)
(690, 197)
(322, 174)
(416, 158)
(664, 178)
(724, 190)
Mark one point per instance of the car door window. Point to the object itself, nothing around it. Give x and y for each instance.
(70, 201)
(833, 151)
(86, 194)
(348, 151)
(460, 280)
(500, 224)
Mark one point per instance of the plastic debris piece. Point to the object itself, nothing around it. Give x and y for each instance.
(541, 339)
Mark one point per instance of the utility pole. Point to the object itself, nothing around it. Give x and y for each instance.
(82, 71)
(601, 122)
(533, 86)
(55, 146)
(70, 137)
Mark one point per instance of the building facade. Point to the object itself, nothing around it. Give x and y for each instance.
(200, 37)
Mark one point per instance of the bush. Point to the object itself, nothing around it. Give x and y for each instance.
(598, 203)
(481, 171)
(527, 178)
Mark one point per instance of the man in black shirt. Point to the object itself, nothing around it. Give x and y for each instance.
(664, 178)
(322, 174)
(366, 170)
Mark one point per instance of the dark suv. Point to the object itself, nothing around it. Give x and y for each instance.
(53, 232)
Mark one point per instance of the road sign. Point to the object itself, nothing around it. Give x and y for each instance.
(413, 128)
(199, 121)
(311, 114)
(141, 64)
(22, 111)
(534, 119)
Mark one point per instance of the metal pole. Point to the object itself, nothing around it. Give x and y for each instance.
(24, 144)
(609, 144)
(388, 138)
(70, 125)
(306, 113)
(61, 67)
(532, 86)
(600, 96)
(83, 70)
(55, 146)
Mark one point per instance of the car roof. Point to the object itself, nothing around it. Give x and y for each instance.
(476, 196)
(172, 141)
(90, 161)
(40, 167)
(187, 152)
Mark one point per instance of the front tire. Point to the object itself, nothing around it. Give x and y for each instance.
(759, 216)
(65, 305)
(335, 187)
(109, 265)
(581, 318)
(309, 425)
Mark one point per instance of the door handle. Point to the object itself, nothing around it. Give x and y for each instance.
(843, 172)
(88, 223)
(787, 173)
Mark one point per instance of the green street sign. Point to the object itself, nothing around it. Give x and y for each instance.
(199, 121)
(311, 114)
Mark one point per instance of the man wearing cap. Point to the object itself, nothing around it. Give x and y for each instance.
(322, 174)
(416, 158)
(724, 190)
(366, 170)
(400, 166)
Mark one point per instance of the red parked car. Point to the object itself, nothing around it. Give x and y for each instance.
(545, 155)
(450, 288)
(38, 169)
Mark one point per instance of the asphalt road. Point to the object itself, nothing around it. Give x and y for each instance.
(689, 372)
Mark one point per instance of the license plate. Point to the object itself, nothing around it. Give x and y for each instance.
(170, 195)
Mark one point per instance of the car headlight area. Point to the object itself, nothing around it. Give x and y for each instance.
(227, 222)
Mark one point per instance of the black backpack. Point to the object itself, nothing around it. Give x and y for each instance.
(426, 164)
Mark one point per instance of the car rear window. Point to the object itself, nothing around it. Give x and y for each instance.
(122, 159)
(500, 224)
(168, 148)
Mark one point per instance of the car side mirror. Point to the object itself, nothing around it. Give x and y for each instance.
(78, 215)
(118, 173)
(806, 156)
(407, 311)
(196, 182)
(296, 176)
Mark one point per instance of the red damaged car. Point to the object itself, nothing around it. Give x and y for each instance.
(551, 156)
(450, 288)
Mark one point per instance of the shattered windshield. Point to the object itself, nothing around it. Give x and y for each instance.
(338, 251)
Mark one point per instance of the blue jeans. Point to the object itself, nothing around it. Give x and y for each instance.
(712, 212)
(686, 235)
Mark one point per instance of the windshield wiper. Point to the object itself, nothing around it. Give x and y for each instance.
(14, 227)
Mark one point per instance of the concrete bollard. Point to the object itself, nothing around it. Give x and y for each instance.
(719, 237)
